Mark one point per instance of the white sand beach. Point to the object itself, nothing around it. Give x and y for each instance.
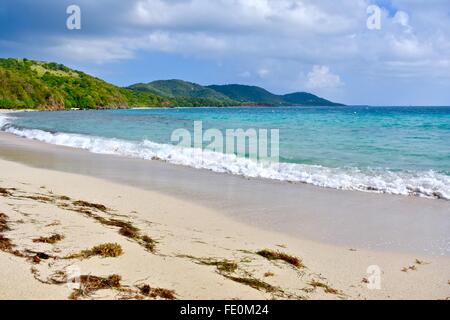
(178, 248)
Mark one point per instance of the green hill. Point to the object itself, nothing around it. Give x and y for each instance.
(252, 94)
(46, 85)
(179, 88)
(189, 94)
(42, 85)
(307, 99)
(185, 93)
(247, 94)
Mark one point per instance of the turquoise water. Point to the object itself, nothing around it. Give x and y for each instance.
(380, 149)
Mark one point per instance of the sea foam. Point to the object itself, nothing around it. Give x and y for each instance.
(425, 184)
(4, 120)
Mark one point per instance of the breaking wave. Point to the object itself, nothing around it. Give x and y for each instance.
(429, 184)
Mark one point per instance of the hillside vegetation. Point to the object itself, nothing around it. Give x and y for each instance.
(185, 93)
(42, 85)
(248, 94)
(257, 95)
(51, 86)
(192, 94)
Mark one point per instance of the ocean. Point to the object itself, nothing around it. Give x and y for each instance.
(395, 150)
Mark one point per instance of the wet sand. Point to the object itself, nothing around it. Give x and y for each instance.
(356, 219)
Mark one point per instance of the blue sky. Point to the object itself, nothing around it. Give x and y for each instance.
(320, 46)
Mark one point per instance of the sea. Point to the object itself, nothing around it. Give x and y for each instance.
(393, 150)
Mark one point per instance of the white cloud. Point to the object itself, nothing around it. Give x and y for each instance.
(268, 41)
(97, 49)
(402, 18)
(321, 78)
(245, 74)
(407, 48)
(304, 32)
(263, 73)
(280, 16)
(192, 43)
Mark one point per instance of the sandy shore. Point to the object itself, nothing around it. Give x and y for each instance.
(359, 220)
(178, 248)
(4, 111)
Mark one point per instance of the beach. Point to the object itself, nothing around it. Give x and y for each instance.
(189, 154)
(174, 242)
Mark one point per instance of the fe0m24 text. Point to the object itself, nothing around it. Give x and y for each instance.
(228, 309)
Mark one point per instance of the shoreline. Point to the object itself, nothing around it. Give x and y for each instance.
(403, 224)
(198, 253)
(423, 183)
(163, 108)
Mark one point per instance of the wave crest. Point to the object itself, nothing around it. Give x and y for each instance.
(425, 184)
(4, 120)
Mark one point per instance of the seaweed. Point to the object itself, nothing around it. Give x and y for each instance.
(276, 255)
(129, 232)
(5, 192)
(90, 284)
(7, 246)
(126, 229)
(254, 283)
(317, 284)
(3, 222)
(107, 250)
(154, 293)
(40, 256)
(149, 243)
(39, 198)
(81, 203)
(223, 266)
(50, 240)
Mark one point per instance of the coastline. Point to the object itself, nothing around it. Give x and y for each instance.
(363, 220)
(191, 242)
(17, 110)
(388, 177)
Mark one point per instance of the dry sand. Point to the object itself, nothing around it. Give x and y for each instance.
(198, 253)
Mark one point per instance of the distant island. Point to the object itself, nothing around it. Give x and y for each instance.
(41, 85)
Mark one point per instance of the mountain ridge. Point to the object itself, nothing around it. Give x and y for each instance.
(189, 93)
(230, 94)
(261, 95)
(44, 85)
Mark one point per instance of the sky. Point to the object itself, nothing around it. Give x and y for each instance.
(335, 49)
